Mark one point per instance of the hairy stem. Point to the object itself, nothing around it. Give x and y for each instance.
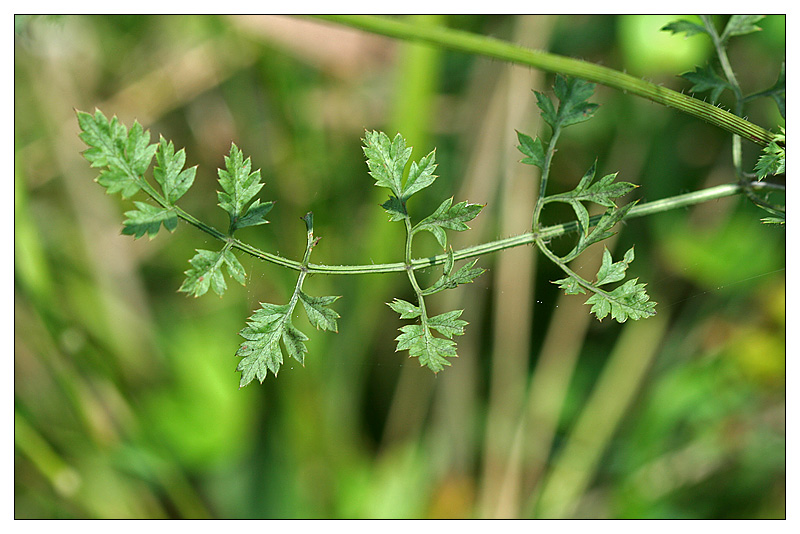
(487, 46)
(548, 158)
(528, 238)
(409, 267)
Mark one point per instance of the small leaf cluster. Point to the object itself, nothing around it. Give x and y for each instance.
(773, 158)
(270, 328)
(239, 187)
(629, 300)
(126, 155)
(387, 160)
(705, 78)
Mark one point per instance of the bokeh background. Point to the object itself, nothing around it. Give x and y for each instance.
(126, 401)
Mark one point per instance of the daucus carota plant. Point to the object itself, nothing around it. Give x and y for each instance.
(125, 156)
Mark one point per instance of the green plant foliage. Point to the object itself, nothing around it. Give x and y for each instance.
(271, 328)
(239, 186)
(387, 160)
(206, 271)
(705, 79)
(741, 25)
(773, 158)
(684, 26)
(125, 154)
(573, 108)
(629, 300)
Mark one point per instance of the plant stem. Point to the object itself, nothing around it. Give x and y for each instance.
(409, 267)
(528, 238)
(487, 46)
(548, 158)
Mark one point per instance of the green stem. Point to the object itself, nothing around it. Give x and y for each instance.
(546, 233)
(548, 158)
(738, 109)
(409, 268)
(487, 46)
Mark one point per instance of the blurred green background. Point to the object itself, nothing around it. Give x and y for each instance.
(126, 399)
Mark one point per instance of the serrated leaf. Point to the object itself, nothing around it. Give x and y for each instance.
(386, 160)
(261, 351)
(118, 181)
(741, 25)
(684, 26)
(169, 172)
(532, 148)
(448, 217)
(319, 313)
(448, 324)
(549, 114)
(603, 192)
(570, 286)
(404, 308)
(431, 351)
(147, 219)
(239, 186)
(206, 272)
(773, 158)
(777, 92)
(464, 275)
(104, 137)
(235, 269)
(138, 150)
(602, 230)
(705, 79)
(628, 301)
(254, 215)
(127, 154)
(395, 209)
(573, 107)
(420, 175)
(613, 271)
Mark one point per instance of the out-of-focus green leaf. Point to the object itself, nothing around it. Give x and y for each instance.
(741, 25)
(705, 79)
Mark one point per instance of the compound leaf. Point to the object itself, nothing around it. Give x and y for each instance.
(147, 219)
(386, 160)
(127, 154)
(261, 350)
(239, 186)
